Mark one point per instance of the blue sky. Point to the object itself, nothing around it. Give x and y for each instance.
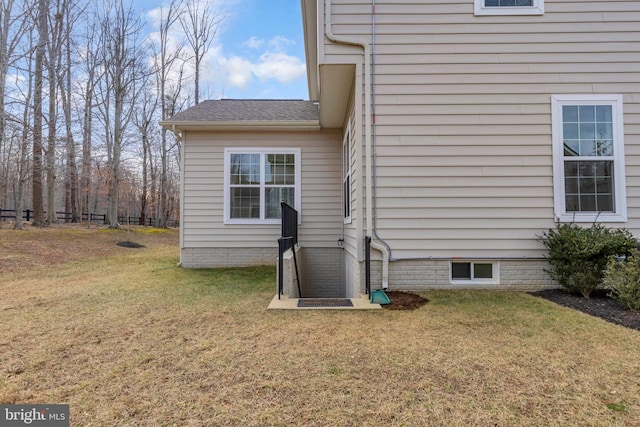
(258, 52)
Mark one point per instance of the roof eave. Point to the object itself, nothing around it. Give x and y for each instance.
(294, 125)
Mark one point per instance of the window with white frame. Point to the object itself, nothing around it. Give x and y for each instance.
(256, 180)
(588, 158)
(478, 272)
(509, 7)
(346, 176)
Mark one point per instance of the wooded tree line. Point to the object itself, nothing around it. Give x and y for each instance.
(83, 85)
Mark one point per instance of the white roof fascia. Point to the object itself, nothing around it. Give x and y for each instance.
(302, 125)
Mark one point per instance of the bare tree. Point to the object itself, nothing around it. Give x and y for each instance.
(144, 121)
(170, 65)
(54, 51)
(93, 70)
(122, 60)
(37, 197)
(64, 76)
(6, 12)
(22, 156)
(200, 24)
(13, 26)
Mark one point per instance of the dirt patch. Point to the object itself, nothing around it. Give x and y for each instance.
(404, 300)
(599, 305)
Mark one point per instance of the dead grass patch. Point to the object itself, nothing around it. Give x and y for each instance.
(130, 339)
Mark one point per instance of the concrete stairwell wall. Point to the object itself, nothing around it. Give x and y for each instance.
(321, 272)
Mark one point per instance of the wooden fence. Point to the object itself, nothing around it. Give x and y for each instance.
(27, 215)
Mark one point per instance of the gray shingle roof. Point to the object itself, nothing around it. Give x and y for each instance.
(250, 110)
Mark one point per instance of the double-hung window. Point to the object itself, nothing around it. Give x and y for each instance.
(256, 180)
(588, 158)
(346, 176)
(509, 7)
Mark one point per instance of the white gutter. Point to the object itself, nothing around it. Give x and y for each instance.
(364, 44)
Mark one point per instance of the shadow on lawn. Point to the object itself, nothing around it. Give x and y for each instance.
(599, 305)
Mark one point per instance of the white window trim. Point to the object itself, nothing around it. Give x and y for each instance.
(346, 174)
(227, 184)
(561, 214)
(481, 9)
(495, 280)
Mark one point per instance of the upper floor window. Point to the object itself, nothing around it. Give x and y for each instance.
(256, 181)
(509, 7)
(588, 158)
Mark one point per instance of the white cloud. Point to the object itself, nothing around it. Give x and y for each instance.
(280, 43)
(272, 64)
(236, 71)
(253, 43)
(279, 66)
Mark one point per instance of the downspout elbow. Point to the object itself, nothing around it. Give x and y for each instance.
(328, 31)
(385, 262)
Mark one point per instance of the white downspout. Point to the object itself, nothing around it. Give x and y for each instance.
(364, 44)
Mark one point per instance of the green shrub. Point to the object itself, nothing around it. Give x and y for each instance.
(622, 280)
(578, 256)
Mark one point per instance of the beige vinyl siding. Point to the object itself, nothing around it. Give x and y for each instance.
(463, 103)
(203, 225)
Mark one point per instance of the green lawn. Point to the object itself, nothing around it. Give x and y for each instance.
(131, 339)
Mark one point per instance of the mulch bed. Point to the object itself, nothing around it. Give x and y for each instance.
(404, 300)
(599, 305)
